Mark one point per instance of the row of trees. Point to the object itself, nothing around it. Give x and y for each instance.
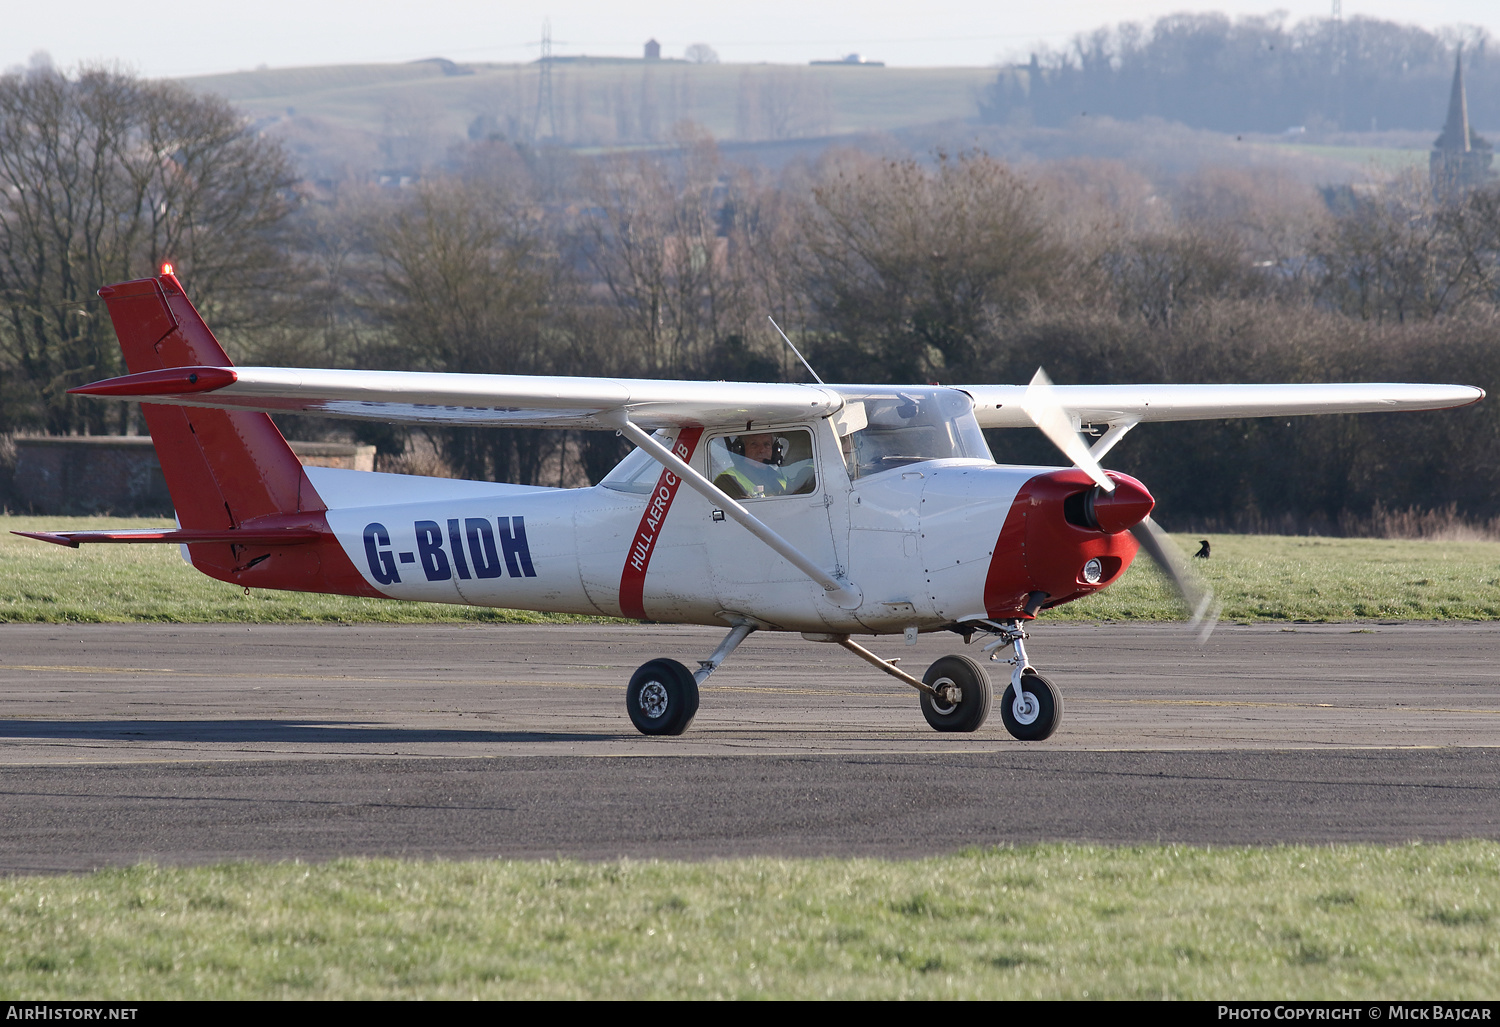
(1254, 74)
(101, 177)
(954, 268)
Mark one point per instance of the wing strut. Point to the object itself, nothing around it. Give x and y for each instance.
(844, 594)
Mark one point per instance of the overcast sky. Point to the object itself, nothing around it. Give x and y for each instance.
(206, 36)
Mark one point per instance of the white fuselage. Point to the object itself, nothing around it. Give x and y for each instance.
(918, 542)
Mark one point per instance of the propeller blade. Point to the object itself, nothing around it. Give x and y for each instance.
(1195, 593)
(1047, 412)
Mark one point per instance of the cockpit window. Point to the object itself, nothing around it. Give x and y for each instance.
(762, 465)
(908, 426)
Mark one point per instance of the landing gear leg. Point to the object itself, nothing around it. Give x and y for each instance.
(662, 698)
(955, 693)
(1032, 706)
(738, 634)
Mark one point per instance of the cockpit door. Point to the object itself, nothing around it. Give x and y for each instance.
(790, 477)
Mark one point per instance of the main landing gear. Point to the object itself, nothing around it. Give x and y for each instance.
(662, 698)
(956, 693)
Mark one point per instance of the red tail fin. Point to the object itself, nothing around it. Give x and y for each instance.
(221, 468)
(224, 468)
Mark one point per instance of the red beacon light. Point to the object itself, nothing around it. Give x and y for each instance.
(166, 268)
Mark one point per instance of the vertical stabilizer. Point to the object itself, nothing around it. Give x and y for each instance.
(221, 468)
(224, 469)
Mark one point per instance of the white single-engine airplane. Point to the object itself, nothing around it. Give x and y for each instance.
(832, 510)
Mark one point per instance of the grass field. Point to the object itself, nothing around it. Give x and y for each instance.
(1380, 159)
(1054, 921)
(1258, 578)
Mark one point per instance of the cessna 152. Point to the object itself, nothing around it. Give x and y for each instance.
(831, 510)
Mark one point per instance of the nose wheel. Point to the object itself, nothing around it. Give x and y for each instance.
(1033, 712)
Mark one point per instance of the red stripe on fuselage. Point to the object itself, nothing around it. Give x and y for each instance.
(643, 544)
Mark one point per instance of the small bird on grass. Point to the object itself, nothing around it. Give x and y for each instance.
(1203, 550)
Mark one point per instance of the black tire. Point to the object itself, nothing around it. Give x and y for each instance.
(1049, 708)
(973, 706)
(662, 698)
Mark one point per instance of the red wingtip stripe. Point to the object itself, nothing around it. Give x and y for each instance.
(171, 381)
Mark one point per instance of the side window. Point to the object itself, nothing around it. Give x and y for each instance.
(761, 465)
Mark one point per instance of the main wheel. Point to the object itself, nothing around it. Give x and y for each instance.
(662, 698)
(1038, 713)
(963, 700)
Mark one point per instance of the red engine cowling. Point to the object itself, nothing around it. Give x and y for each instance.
(1058, 526)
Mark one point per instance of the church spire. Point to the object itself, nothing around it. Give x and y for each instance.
(1455, 137)
(1460, 160)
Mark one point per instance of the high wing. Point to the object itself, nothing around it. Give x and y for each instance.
(479, 400)
(558, 402)
(1001, 406)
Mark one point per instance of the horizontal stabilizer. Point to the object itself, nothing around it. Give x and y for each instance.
(238, 536)
(169, 381)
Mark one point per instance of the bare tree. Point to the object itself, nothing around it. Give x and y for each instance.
(1398, 255)
(909, 265)
(660, 245)
(466, 282)
(102, 178)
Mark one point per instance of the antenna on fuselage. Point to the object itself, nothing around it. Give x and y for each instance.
(795, 350)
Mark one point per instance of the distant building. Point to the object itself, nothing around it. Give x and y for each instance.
(853, 58)
(653, 50)
(1460, 159)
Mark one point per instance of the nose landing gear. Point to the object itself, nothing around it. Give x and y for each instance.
(1031, 707)
(1031, 712)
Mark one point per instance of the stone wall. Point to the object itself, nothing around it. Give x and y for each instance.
(119, 474)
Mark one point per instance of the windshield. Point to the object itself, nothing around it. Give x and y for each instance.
(638, 472)
(907, 426)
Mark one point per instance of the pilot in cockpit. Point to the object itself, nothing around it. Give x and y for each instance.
(754, 468)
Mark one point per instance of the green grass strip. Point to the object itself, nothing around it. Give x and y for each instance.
(96, 584)
(1257, 577)
(1049, 921)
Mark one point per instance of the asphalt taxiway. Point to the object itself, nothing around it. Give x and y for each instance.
(120, 743)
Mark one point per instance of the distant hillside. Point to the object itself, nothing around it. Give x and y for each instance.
(396, 120)
(405, 114)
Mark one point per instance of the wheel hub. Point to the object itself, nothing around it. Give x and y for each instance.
(946, 695)
(1025, 708)
(654, 700)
